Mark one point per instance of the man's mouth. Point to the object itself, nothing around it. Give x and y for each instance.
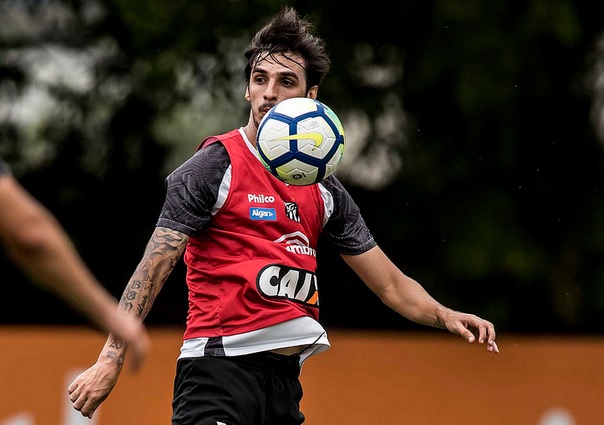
(265, 108)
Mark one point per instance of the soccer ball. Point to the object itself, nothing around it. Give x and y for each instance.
(300, 141)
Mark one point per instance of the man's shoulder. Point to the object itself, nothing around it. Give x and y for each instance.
(225, 137)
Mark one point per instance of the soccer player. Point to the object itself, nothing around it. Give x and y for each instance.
(39, 245)
(253, 314)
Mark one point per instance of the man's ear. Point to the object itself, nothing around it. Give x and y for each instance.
(313, 92)
(247, 93)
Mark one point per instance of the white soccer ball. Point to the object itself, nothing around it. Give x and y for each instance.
(300, 141)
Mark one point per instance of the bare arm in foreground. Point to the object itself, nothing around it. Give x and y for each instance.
(38, 244)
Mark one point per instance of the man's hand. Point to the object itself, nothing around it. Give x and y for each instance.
(92, 387)
(472, 327)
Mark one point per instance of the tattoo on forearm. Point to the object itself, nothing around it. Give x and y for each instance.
(142, 305)
(161, 255)
(114, 355)
(116, 343)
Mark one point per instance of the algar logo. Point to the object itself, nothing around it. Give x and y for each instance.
(257, 213)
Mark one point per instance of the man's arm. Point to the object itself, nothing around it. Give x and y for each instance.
(408, 298)
(163, 250)
(39, 245)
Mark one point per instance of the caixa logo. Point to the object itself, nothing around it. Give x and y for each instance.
(283, 282)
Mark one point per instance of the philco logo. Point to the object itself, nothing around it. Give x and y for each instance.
(282, 282)
(263, 214)
(260, 199)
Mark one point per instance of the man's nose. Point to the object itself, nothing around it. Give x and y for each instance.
(270, 93)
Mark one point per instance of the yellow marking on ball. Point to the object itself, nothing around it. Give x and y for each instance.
(315, 137)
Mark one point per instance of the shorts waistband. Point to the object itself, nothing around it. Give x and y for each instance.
(273, 362)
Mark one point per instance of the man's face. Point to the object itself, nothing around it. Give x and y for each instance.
(273, 79)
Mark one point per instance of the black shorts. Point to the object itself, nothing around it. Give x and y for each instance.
(255, 389)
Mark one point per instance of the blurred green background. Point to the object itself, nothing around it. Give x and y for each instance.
(474, 142)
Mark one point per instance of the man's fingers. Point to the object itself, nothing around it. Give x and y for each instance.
(85, 407)
(493, 346)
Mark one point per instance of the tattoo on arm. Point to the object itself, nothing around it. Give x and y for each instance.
(161, 255)
(119, 357)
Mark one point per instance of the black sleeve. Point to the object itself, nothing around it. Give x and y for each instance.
(192, 190)
(346, 229)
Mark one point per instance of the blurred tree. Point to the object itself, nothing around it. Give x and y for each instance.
(470, 147)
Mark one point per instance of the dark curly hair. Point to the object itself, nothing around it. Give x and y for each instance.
(288, 33)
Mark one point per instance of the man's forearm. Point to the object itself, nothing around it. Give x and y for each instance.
(161, 256)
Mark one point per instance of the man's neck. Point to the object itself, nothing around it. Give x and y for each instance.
(250, 131)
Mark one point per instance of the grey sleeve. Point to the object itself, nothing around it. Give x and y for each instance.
(192, 190)
(346, 228)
